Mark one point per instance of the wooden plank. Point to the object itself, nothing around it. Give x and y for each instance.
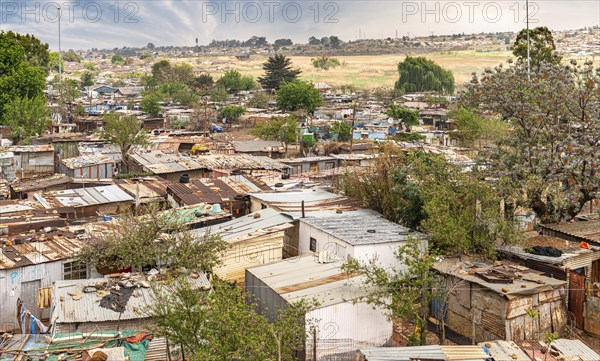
(576, 297)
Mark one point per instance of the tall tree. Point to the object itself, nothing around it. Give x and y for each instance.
(156, 239)
(232, 112)
(284, 130)
(26, 117)
(124, 131)
(421, 74)
(405, 292)
(541, 47)
(220, 325)
(343, 130)
(278, 69)
(299, 95)
(406, 116)
(151, 102)
(550, 161)
(36, 52)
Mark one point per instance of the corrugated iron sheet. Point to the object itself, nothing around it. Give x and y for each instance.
(502, 350)
(575, 349)
(87, 309)
(30, 253)
(431, 352)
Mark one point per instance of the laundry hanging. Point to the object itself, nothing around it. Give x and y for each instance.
(28, 323)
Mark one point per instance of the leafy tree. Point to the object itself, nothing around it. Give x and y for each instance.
(117, 59)
(160, 71)
(145, 56)
(549, 163)
(203, 82)
(314, 41)
(324, 62)
(284, 130)
(541, 47)
(221, 325)
(150, 46)
(90, 66)
(26, 117)
(182, 73)
(259, 100)
(278, 69)
(420, 74)
(124, 131)
(235, 82)
(87, 79)
(178, 92)
(406, 293)
(154, 238)
(218, 94)
(54, 61)
(151, 102)
(343, 130)
(334, 41)
(406, 116)
(18, 79)
(36, 52)
(283, 42)
(72, 57)
(232, 112)
(472, 130)
(298, 95)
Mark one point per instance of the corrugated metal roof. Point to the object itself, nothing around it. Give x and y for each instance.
(588, 230)
(248, 226)
(32, 148)
(257, 146)
(315, 200)
(430, 352)
(86, 161)
(87, 309)
(305, 278)
(502, 350)
(54, 248)
(531, 282)
(83, 197)
(575, 349)
(360, 228)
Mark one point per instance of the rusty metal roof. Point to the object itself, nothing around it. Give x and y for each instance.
(87, 160)
(54, 247)
(587, 230)
(215, 190)
(87, 309)
(31, 148)
(39, 183)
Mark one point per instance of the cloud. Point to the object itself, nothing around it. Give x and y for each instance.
(108, 24)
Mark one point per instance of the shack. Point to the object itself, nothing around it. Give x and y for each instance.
(33, 160)
(488, 302)
(89, 166)
(340, 324)
(29, 264)
(265, 148)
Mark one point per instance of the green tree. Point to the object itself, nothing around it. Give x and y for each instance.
(90, 66)
(421, 74)
(54, 61)
(26, 117)
(541, 47)
(259, 100)
(235, 82)
(178, 92)
(407, 117)
(87, 79)
(18, 79)
(220, 325)
(151, 102)
(145, 56)
(155, 238)
(232, 112)
(124, 131)
(218, 94)
(160, 71)
(406, 293)
(117, 59)
(278, 69)
(324, 62)
(472, 130)
(284, 130)
(72, 57)
(298, 95)
(203, 82)
(549, 161)
(343, 130)
(36, 52)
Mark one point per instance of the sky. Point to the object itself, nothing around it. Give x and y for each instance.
(108, 24)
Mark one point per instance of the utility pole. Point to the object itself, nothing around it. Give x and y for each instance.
(527, 22)
(59, 52)
(352, 130)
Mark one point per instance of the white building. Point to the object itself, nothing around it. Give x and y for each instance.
(360, 234)
(342, 322)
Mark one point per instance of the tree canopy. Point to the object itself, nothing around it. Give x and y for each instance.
(298, 95)
(36, 52)
(235, 82)
(26, 117)
(549, 163)
(406, 116)
(421, 74)
(541, 47)
(20, 82)
(124, 131)
(278, 69)
(284, 130)
(343, 130)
